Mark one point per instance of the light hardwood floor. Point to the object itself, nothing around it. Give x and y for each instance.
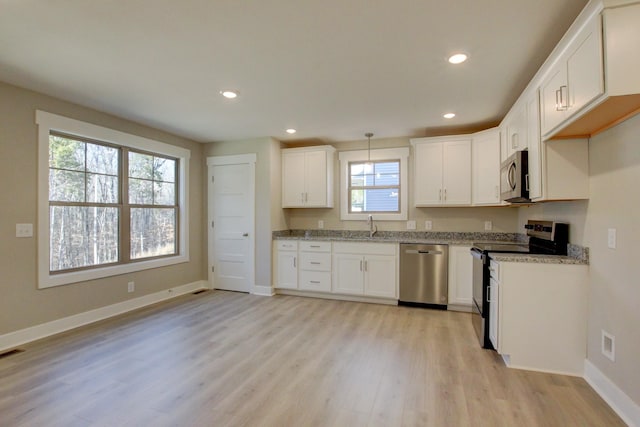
(230, 359)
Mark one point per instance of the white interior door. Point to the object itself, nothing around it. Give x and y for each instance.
(231, 222)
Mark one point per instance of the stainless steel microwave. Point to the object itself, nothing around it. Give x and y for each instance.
(514, 178)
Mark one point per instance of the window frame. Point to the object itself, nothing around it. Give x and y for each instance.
(51, 123)
(350, 187)
(359, 156)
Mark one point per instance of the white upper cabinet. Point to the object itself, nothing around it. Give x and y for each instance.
(576, 79)
(442, 171)
(485, 166)
(590, 82)
(516, 131)
(307, 177)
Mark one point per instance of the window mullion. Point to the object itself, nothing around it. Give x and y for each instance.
(125, 210)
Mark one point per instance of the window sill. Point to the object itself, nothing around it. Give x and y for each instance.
(51, 280)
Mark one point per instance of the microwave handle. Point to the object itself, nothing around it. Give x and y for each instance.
(511, 176)
(526, 182)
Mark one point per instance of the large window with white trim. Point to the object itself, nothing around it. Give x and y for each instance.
(113, 202)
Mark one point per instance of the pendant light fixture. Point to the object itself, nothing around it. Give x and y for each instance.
(368, 135)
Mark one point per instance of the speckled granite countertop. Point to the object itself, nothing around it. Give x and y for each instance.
(539, 259)
(576, 254)
(422, 237)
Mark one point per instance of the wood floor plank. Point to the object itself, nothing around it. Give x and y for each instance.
(225, 358)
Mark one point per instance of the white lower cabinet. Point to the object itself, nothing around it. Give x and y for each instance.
(286, 271)
(460, 277)
(368, 269)
(348, 274)
(315, 266)
(538, 315)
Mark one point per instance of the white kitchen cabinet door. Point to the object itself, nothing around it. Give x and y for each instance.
(457, 172)
(585, 68)
(485, 165)
(554, 98)
(428, 174)
(316, 179)
(307, 177)
(460, 276)
(348, 277)
(287, 277)
(293, 181)
(576, 80)
(494, 313)
(380, 276)
(442, 171)
(516, 129)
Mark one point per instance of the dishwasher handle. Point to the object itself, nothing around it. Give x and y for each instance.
(419, 252)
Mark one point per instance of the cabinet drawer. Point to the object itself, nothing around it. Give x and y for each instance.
(315, 246)
(315, 261)
(287, 245)
(319, 281)
(365, 248)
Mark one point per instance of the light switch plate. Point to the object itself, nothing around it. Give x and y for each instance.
(411, 225)
(611, 238)
(320, 224)
(488, 226)
(24, 230)
(428, 225)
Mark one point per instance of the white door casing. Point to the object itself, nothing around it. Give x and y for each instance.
(231, 215)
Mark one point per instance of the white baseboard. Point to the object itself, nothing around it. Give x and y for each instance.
(265, 291)
(17, 338)
(622, 404)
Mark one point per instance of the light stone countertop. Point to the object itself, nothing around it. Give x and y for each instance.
(577, 254)
(538, 259)
(418, 237)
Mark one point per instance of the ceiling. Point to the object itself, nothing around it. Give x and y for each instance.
(332, 69)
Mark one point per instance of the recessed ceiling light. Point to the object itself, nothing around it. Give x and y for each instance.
(291, 131)
(449, 115)
(458, 58)
(230, 94)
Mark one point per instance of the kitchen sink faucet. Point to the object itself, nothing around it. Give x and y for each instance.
(373, 229)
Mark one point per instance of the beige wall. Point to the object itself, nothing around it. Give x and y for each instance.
(267, 216)
(22, 305)
(614, 291)
(504, 219)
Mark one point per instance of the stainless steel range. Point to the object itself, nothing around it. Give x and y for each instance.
(545, 237)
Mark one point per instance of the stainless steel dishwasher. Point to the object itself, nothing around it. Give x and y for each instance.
(424, 275)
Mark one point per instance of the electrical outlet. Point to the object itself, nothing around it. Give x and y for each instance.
(611, 238)
(24, 230)
(428, 225)
(609, 346)
(488, 226)
(411, 225)
(131, 286)
(320, 224)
